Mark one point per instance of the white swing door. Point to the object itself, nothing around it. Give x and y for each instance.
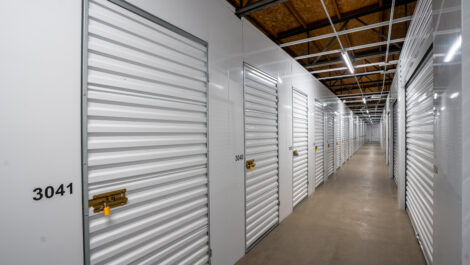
(261, 154)
(300, 146)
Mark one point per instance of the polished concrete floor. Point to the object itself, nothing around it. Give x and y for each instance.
(351, 219)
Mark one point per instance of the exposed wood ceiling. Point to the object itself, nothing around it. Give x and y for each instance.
(284, 21)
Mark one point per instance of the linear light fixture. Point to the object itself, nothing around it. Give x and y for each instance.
(453, 49)
(347, 60)
(364, 100)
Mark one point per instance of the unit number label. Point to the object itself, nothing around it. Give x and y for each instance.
(238, 157)
(51, 192)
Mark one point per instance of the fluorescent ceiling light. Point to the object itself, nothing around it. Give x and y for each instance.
(367, 111)
(364, 100)
(348, 62)
(454, 95)
(453, 49)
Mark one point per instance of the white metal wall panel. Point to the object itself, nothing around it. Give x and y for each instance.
(319, 140)
(330, 142)
(420, 155)
(261, 145)
(300, 145)
(395, 142)
(338, 141)
(146, 132)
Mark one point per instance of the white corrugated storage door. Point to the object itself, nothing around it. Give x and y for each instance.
(420, 155)
(300, 145)
(345, 139)
(343, 134)
(319, 138)
(146, 132)
(330, 140)
(351, 137)
(338, 141)
(261, 146)
(395, 142)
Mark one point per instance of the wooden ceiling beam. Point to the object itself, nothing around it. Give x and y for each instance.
(256, 6)
(346, 16)
(358, 56)
(338, 14)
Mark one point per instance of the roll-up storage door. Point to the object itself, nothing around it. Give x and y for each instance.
(145, 139)
(351, 137)
(345, 139)
(395, 142)
(343, 134)
(261, 154)
(330, 144)
(319, 139)
(338, 141)
(300, 145)
(420, 154)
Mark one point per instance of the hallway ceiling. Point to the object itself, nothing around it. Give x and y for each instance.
(286, 21)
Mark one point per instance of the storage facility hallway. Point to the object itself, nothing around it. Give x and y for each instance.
(351, 219)
(223, 132)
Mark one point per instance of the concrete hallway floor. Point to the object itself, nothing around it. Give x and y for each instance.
(352, 218)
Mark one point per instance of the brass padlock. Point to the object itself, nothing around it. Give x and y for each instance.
(295, 153)
(250, 164)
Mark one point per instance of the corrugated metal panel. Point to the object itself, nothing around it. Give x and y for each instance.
(147, 133)
(395, 142)
(420, 155)
(338, 140)
(351, 137)
(300, 144)
(345, 136)
(418, 38)
(261, 145)
(330, 141)
(319, 140)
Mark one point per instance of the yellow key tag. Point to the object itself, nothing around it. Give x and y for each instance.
(107, 211)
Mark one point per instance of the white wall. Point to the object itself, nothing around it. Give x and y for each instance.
(40, 131)
(40, 139)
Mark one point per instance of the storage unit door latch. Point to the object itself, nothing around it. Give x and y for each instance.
(105, 201)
